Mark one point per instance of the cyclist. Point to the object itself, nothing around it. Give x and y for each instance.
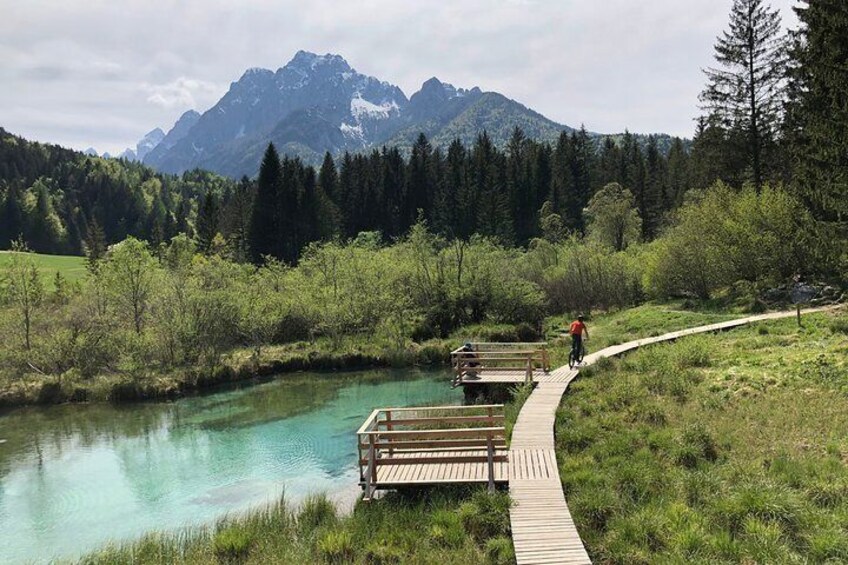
(576, 331)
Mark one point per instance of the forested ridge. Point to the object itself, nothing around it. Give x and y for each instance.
(53, 196)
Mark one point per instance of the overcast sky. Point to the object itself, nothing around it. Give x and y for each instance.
(103, 73)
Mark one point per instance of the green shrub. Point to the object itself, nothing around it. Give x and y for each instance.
(446, 529)
(828, 494)
(499, 551)
(595, 508)
(839, 325)
(766, 502)
(828, 545)
(695, 445)
(382, 553)
(336, 546)
(650, 414)
(486, 515)
(232, 544)
(692, 352)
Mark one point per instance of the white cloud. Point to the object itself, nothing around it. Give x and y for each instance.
(181, 93)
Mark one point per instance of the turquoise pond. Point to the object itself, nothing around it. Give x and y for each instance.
(75, 477)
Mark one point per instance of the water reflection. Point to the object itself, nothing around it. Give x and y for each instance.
(73, 477)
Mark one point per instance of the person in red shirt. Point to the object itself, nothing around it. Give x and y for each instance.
(576, 331)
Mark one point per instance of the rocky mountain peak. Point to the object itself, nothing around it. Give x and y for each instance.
(309, 62)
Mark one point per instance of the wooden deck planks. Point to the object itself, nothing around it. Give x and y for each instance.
(421, 474)
(542, 528)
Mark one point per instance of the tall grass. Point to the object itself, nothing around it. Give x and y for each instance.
(725, 448)
(461, 525)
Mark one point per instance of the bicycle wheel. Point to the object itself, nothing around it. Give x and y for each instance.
(582, 354)
(571, 360)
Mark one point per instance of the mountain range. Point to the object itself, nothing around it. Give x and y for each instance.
(319, 103)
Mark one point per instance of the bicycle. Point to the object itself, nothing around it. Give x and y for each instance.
(575, 358)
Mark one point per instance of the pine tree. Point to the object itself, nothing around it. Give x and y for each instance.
(11, 219)
(264, 223)
(582, 165)
(208, 217)
(95, 245)
(818, 110)
(236, 220)
(746, 92)
(678, 175)
(419, 193)
(521, 196)
(655, 189)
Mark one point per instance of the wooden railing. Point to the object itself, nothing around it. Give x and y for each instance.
(494, 357)
(430, 436)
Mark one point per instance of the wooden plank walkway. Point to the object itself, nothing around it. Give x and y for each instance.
(391, 476)
(542, 528)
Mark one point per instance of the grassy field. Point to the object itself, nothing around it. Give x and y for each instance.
(647, 320)
(71, 267)
(447, 525)
(727, 448)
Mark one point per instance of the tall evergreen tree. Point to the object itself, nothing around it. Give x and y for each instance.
(265, 221)
(208, 217)
(818, 110)
(677, 175)
(746, 91)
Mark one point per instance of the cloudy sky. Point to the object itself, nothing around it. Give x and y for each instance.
(102, 73)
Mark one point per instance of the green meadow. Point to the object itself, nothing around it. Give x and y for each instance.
(723, 448)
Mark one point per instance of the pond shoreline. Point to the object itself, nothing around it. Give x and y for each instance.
(44, 390)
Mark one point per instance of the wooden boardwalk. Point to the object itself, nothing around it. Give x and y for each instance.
(542, 528)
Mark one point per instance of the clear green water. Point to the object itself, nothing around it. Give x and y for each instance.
(75, 477)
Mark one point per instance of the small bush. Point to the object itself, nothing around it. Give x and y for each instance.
(650, 414)
(499, 551)
(382, 554)
(695, 445)
(596, 508)
(336, 546)
(692, 353)
(765, 502)
(486, 515)
(839, 325)
(232, 544)
(828, 494)
(446, 529)
(828, 545)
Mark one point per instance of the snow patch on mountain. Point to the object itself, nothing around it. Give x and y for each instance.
(361, 108)
(352, 132)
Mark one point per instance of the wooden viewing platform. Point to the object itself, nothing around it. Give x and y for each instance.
(432, 445)
(482, 363)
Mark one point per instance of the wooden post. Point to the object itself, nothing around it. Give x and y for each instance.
(359, 459)
(372, 468)
(491, 461)
(528, 376)
(798, 306)
(546, 365)
(491, 413)
(389, 427)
